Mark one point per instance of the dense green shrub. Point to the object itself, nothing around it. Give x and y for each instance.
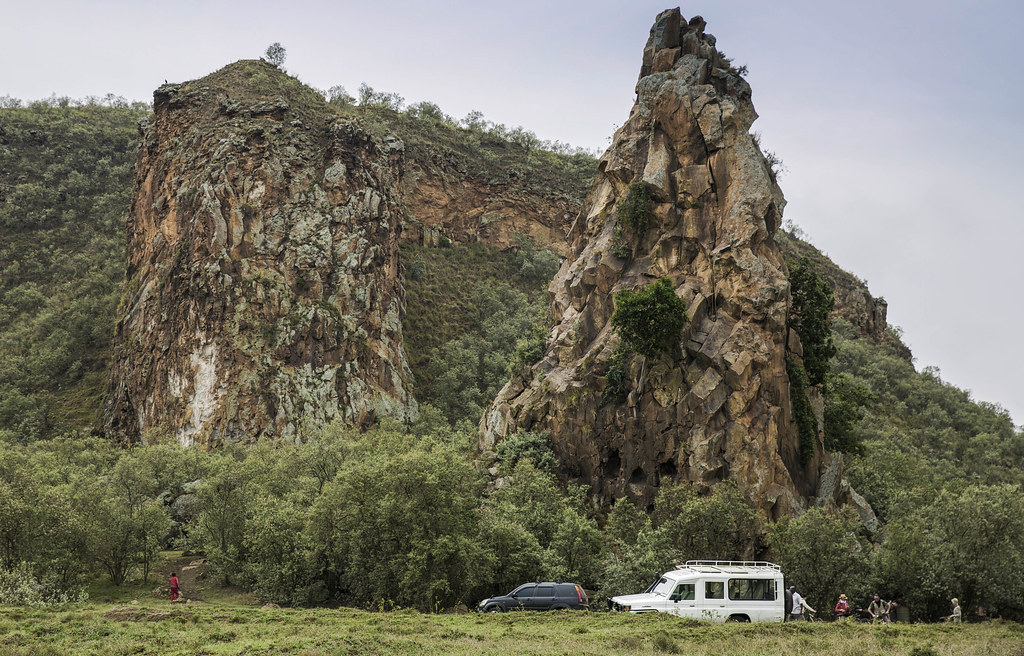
(650, 321)
(813, 301)
(615, 377)
(526, 445)
(634, 210)
(803, 413)
(967, 544)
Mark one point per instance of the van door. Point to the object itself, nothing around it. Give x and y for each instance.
(713, 607)
(683, 600)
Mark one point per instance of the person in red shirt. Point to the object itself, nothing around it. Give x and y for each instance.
(843, 607)
(174, 586)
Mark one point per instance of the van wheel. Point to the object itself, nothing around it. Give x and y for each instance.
(738, 618)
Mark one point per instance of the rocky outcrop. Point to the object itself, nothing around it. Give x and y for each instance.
(717, 406)
(854, 302)
(263, 275)
(448, 204)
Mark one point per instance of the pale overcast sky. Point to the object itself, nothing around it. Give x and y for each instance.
(899, 122)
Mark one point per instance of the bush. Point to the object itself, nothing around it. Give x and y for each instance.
(635, 209)
(19, 586)
(813, 301)
(615, 378)
(803, 414)
(525, 445)
(823, 556)
(649, 321)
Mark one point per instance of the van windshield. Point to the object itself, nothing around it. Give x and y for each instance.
(663, 587)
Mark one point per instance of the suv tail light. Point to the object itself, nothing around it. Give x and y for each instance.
(582, 595)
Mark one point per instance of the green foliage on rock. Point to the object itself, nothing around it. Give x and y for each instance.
(845, 406)
(649, 321)
(803, 413)
(634, 210)
(809, 317)
(525, 445)
(615, 377)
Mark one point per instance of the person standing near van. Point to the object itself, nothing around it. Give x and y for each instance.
(799, 606)
(842, 607)
(957, 616)
(877, 608)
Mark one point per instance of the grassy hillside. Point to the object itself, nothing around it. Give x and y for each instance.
(65, 184)
(467, 307)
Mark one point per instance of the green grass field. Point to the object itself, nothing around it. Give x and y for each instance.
(138, 618)
(158, 627)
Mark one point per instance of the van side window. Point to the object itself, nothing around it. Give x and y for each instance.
(714, 590)
(752, 589)
(683, 592)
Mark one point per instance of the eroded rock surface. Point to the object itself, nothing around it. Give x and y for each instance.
(263, 274)
(717, 406)
(447, 203)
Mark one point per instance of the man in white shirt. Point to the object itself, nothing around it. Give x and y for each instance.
(799, 605)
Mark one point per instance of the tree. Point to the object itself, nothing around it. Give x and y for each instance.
(845, 403)
(276, 54)
(822, 555)
(337, 95)
(650, 320)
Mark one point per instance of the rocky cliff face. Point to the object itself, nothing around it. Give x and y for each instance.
(718, 406)
(450, 204)
(263, 273)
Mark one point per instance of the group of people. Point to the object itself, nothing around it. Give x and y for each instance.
(879, 609)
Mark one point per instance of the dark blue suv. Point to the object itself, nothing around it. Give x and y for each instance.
(538, 596)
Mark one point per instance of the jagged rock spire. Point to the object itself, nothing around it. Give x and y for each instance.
(716, 407)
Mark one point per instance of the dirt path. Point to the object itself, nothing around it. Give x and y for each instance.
(191, 571)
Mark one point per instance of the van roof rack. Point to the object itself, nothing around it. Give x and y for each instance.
(722, 564)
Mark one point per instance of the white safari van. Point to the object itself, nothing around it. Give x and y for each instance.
(720, 590)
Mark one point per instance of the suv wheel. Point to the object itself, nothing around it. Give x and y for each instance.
(493, 609)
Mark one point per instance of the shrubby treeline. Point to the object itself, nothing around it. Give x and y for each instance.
(403, 516)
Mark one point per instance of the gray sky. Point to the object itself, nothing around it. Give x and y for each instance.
(899, 122)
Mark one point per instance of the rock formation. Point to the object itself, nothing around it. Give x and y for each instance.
(464, 209)
(718, 405)
(854, 301)
(263, 274)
